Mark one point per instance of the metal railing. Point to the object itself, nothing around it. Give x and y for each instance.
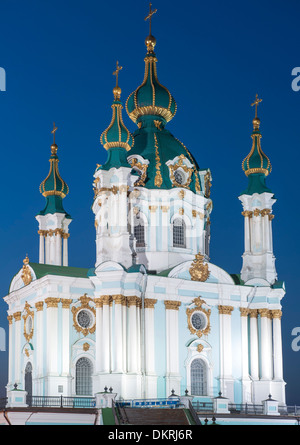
(60, 402)
(203, 407)
(172, 402)
(248, 409)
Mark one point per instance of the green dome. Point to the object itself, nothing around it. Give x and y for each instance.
(151, 98)
(116, 139)
(158, 146)
(256, 161)
(54, 188)
(256, 165)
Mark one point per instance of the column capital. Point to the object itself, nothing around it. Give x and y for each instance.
(39, 306)
(10, 319)
(247, 213)
(253, 313)
(225, 310)
(264, 313)
(52, 302)
(17, 316)
(118, 299)
(276, 313)
(98, 302)
(244, 311)
(106, 300)
(66, 302)
(133, 301)
(149, 303)
(171, 304)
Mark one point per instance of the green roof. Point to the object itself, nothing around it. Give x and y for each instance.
(41, 270)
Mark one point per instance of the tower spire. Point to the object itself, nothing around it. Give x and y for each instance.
(150, 40)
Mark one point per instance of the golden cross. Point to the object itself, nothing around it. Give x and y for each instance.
(149, 16)
(256, 102)
(53, 132)
(116, 73)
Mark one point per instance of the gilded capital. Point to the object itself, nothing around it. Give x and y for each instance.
(244, 311)
(118, 299)
(149, 303)
(98, 302)
(17, 316)
(225, 310)
(133, 301)
(253, 313)
(10, 319)
(52, 302)
(264, 313)
(276, 313)
(39, 306)
(171, 304)
(66, 302)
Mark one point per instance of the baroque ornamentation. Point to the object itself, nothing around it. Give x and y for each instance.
(84, 328)
(225, 310)
(187, 170)
(201, 324)
(142, 169)
(158, 178)
(26, 274)
(171, 304)
(198, 270)
(28, 318)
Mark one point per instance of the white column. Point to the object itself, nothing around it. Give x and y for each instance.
(99, 317)
(17, 349)
(244, 343)
(65, 249)
(254, 363)
(47, 247)
(265, 344)
(118, 334)
(225, 341)
(66, 336)
(39, 342)
(153, 227)
(277, 345)
(165, 222)
(149, 336)
(42, 247)
(58, 247)
(10, 350)
(247, 237)
(172, 349)
(52, 336)
(106, 340)
(132, 334)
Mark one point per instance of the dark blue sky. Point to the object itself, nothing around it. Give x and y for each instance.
(213, 56)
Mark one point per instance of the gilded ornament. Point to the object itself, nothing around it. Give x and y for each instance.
(26, 274)
(28, 318)
(158, 178)
(171, 304)
(198, 270)
(85, 346)
(52, 302)
(207, 184)
(188, 170)
(85, 304)
(200, 348)
(244, 311)
(276, 313)
(225, 310)
(198, 303)
(149, 303)
(39, 306)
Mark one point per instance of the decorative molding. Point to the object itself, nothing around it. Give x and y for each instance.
(85, 304)
(198, 302)
(28, 333)
(149, 303)
(66, 302)
(17, 316)
(39, 306)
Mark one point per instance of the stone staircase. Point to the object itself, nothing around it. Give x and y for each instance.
(153, 416)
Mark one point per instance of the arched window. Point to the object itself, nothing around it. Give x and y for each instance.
(198, 378)
(139, 231)
(178, 233)
(84, 370)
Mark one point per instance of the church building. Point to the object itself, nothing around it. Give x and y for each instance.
(153, 315)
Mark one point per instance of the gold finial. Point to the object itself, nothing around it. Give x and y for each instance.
(117, 89)
(256, 120)
(149, 16)
(150, 40)
(26, 260)
(54, 146)
(53, 132)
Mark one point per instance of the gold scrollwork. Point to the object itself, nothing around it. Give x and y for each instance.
(198, 302)
(26, 274)
(142, 169)
(85, 304)
(28, 318)
(198, 270)
(180, 165)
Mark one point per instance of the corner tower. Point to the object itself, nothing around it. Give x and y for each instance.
(257, 200)
(53, 219)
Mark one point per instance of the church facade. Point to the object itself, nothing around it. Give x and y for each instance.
(153, 315)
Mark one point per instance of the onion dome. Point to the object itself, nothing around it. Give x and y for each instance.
(54, 188)
(256, 165)
(151, 98)
(116, 139)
